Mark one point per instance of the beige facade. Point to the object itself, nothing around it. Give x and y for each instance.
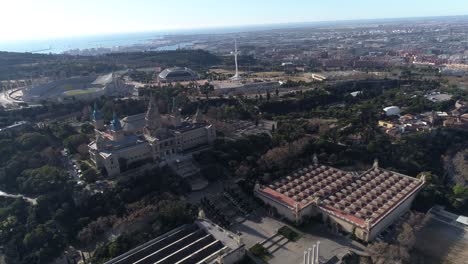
(362, 204)
(146, 138)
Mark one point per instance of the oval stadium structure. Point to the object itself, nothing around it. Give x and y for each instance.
(177, 74)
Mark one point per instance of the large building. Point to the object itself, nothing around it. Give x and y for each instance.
(201, 242)
(76, 88)
(362, 204)
(177, 74)
(146, 138)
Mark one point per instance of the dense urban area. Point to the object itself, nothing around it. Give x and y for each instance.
(340, 143)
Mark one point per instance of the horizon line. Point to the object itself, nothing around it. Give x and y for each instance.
(170, 31)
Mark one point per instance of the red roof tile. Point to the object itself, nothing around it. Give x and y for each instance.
(278, 196)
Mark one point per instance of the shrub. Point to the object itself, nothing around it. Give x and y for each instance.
(288, 233)
(259, 251)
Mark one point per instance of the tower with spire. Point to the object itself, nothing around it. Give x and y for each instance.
(100, 143)
(165, 137)
(152, 118)
(176, 119)
(97, 118)
(116, 128)
(198, 117)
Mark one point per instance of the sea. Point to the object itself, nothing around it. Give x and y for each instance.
(60, 45)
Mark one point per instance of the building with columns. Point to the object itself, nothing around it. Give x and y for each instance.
(361, 204)
(146, 138)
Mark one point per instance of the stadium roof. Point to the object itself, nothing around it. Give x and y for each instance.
(178, 72)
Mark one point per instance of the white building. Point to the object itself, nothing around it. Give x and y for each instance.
(156, 139)
(392, 111)
(177, 74)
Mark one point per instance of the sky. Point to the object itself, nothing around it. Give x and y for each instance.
(42, 19)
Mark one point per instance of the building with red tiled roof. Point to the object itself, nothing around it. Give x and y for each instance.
(364, 204)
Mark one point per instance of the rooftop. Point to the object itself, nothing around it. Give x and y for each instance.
(177, 72)
(356, 198)
(306, 184)
(197, 243)
(133, 122)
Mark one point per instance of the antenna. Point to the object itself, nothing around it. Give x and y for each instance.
(236, 76)
(235, 58)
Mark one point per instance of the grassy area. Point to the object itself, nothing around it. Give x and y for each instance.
(68, 87)
(289, 233)
(88, 162)
(81, 91)
(260, 252)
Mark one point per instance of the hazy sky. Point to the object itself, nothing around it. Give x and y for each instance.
(33, 19)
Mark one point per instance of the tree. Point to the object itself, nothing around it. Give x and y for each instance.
(90, 175)
(32, 140)
(42, 180)
(51, 156)
(74, 141)
(87, 128)
(206, 89)
(174, 212)
(407, 237)
(83, 151)
(243, 171)
(460, 191)
(290, 132)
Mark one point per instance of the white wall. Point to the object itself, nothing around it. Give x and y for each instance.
(234, 256)
(390, 218)
(361, 233)
(282, 208)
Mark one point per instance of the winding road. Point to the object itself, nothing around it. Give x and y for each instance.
(30, 200)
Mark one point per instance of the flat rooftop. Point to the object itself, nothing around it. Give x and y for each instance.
(200, 242)
(358, 198)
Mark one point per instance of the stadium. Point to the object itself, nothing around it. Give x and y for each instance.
(75, 88)
(177, 74)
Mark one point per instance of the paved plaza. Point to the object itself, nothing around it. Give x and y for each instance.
(260, 227)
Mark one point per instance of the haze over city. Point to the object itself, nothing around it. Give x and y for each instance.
(234, 132)
(31, 19)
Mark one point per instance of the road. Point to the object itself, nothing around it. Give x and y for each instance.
(32, 201)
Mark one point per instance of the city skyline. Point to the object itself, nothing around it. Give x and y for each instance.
(55, 19)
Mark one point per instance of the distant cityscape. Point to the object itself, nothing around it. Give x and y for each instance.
(326, 142)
